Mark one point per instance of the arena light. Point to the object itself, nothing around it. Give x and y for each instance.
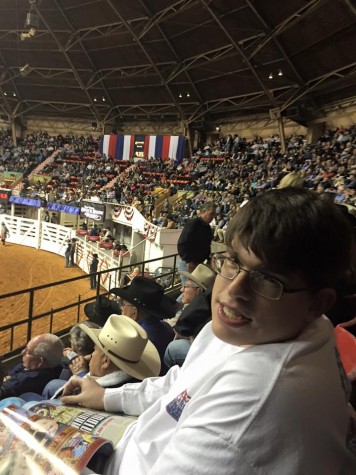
(25, 70)
(270, 76)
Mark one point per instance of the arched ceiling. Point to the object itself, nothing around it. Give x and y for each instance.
(121, 60)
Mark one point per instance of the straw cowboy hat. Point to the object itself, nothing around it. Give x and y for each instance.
(148, 295)
(202, 275)
(126, 344)
(99, 311)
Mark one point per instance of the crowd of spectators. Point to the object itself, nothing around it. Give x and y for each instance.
(228, 172)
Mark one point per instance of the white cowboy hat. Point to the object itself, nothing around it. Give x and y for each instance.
(126, 344)
(202, 275)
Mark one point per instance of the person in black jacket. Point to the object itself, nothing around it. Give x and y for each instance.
(93, 269)
(195, 240)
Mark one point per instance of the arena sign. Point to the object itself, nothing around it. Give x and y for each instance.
(94, 211)
(4, 199)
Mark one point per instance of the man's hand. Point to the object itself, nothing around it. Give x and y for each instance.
(83, 392)
(79, 364)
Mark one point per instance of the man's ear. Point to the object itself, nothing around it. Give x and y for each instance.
(322, 301)
(105, 362)
(41, 363)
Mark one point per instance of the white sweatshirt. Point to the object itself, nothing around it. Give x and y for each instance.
(271, 409)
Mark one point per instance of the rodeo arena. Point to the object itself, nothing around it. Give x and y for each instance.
(177, 222)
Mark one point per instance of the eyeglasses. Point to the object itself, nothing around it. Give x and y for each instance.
(262, 284)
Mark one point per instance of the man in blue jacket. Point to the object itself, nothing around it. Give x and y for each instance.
(41, 362)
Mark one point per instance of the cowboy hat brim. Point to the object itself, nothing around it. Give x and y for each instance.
(149, 364)
(192, 278)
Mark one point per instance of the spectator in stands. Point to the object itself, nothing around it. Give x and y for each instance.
(122, 354)
(41, 362)
(200, 280)
(144, 301)
(94, 231)
(262, 389)
(75, 361)
(54, 219)
(100, 310)
(195, 240)
(80, 343)
(130, 276)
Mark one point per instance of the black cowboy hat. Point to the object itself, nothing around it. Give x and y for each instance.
(147, 295)
(99, 311)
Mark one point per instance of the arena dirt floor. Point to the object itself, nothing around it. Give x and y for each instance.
(23, 267)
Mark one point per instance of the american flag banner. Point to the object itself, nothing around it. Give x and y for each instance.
(124, 147)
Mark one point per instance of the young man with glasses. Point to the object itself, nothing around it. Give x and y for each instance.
(262, 390)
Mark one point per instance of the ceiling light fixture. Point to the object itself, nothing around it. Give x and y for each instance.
(103, 99)
(95, 99)
(25, 70)
(280, 73)
(180, 95)
(188, 95)
(270, 76)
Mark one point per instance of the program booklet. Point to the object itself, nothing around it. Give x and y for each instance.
(57, 440)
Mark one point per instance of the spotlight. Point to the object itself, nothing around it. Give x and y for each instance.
(95, 99)
(180, 95)
(5, 93)
(217, 128)
(270, 76)
(30, 34)
(14, 94)
(103, 99)
(188, 95)
(25, 70)
(280, 73)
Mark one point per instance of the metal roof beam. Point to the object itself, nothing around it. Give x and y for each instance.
(241, 52)
(138, 41)
(75, 72)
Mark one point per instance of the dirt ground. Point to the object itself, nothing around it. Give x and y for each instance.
(24, 267)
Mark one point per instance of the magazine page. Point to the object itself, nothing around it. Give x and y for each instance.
(32, 443)
(107, 426)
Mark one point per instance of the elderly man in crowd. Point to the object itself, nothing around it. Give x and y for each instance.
(199, 281)
(41, 362)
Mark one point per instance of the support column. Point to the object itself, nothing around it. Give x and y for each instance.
(282, 137)
(13, 130)
(187, 135)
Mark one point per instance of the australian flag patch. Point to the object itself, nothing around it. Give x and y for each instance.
(175, 407)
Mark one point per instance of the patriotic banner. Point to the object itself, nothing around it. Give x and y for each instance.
(124, 147)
